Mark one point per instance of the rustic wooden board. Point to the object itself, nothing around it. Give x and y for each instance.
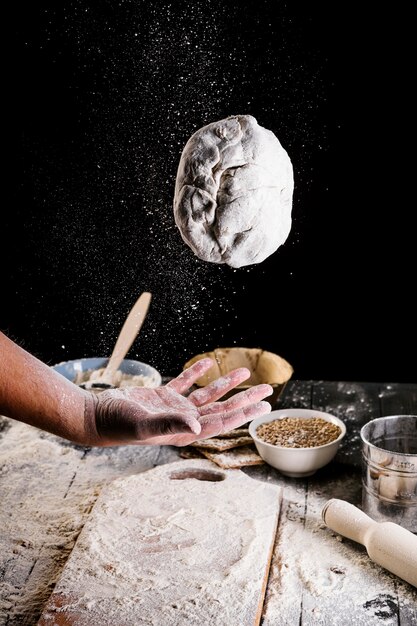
(396, 399)
(296, 395)
(47, 489)
(339, 585)
(355, 404)
(319, 578)
(38, 469)
(186, 543)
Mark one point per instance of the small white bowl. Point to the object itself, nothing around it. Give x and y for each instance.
(296, 462)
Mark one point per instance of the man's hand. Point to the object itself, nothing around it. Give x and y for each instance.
(166, 416)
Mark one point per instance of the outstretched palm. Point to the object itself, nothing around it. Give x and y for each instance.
(166, 416)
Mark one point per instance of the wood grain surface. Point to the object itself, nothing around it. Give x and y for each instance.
(183, 543)
(41, 472)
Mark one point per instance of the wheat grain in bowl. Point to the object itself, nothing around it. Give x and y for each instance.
(297, 442)
(296, 432)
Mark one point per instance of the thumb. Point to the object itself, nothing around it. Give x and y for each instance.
(166, 425)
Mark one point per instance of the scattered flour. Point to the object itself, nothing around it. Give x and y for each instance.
(47, 489)
(321, 579)
(170, 547)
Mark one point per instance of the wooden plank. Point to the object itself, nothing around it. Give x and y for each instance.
(171, 546)
(32, 461)
(396, 399)
(355, 404)
(317, 577)
(407, 603)
(47, 489)
(339, 578)
(282, 605)
(323, 584)
(102, 465)
(35, 476)
(168, 454)
(297, 394)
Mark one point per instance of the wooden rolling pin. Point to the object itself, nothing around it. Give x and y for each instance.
(387, 544)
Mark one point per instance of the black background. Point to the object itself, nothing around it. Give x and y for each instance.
(101, 98)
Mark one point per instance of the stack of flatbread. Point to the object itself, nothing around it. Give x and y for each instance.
(230, 450)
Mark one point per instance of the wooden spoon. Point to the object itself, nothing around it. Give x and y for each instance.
(127, 335)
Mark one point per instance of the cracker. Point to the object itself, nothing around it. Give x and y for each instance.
(233, 459)
(220, 445)
(190, 453)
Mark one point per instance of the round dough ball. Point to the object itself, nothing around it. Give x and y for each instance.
(233, 192)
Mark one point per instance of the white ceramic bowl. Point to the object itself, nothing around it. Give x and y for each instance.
(296, 462)
(70, 369)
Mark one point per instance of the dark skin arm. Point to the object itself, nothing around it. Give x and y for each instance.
(32, 392)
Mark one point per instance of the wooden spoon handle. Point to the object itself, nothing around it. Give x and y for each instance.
(127, 335)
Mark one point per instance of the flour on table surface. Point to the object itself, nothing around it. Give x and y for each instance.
(168, 549)
(47, 489)
(319, 578)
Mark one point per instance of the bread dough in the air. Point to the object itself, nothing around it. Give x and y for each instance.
(233, 192)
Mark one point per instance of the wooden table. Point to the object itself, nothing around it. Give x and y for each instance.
(48, 486)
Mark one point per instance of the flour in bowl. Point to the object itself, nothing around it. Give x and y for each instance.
(119, 379)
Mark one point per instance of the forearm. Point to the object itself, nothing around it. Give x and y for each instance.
(34, 393)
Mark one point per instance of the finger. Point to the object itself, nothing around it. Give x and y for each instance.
(188, 377)
(218, 423)
(219, 387)
(163, 426)
(239, 400)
